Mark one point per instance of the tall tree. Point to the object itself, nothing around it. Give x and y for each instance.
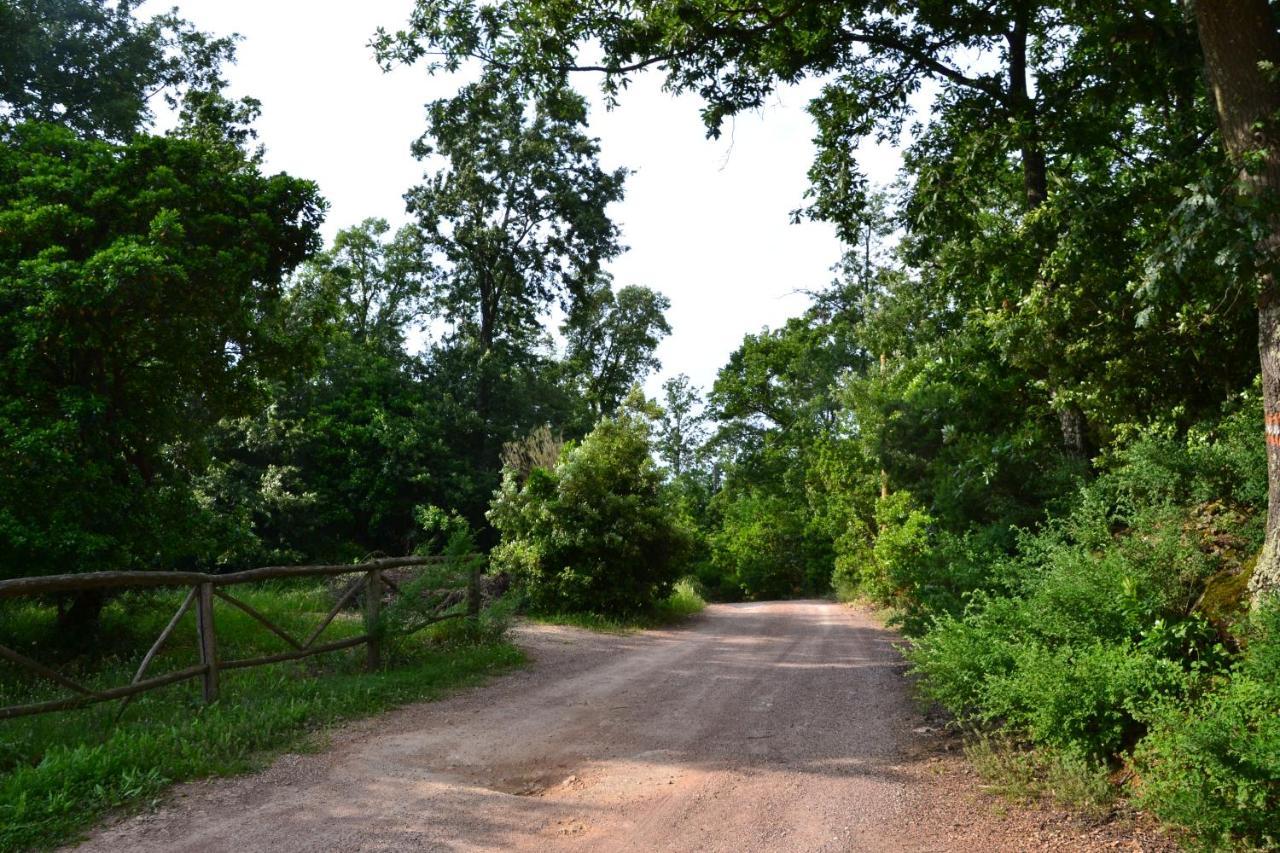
(1242, 59)
(92, 66)
(139, 294)
(515, 220)
(681, 430)
(611, 338)
(375, 286)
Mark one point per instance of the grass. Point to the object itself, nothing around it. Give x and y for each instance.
(683, 602)
(1021, 774)
(61, 772)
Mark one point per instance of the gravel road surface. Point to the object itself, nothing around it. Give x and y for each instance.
(780, 726)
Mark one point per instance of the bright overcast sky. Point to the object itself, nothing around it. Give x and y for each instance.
(707, 222)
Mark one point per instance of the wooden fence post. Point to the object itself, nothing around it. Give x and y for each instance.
(372, 607)
(473, 590)
(208, 642)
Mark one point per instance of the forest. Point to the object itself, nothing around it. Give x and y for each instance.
(1034, 416)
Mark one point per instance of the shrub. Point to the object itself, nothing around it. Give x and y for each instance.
(1212, 763)
(1090, 630)
(759, 548)
(594, 534)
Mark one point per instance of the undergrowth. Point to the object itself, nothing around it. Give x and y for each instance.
(1013, 771)
(684, 601)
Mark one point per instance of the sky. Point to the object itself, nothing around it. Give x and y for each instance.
(707, 222)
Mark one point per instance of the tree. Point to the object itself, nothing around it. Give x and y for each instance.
(515, 220)
(1241, 57)
(611, 340)
(595, 534)
(91, 66)
(1092, 65)
(139, 294)
(354, 439)
(682, 426)
(375, 287)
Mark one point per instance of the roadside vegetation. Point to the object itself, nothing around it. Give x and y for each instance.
(683, 602)
(61, 772)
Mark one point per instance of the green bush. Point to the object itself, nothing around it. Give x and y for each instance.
(1212, 763)
(911, 565)
(1107, 633)
(759, 549)
(1091, 625)
(595, 534)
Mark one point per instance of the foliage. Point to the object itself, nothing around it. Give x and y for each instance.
(1212, 762)
(610, 340)
(106, 411)
(517, 216)
(93, 68)
(512, 222)
(681, 428)
(759, 550)
(1095, 621)
(438, 593)
(371, 287)
(595, 534)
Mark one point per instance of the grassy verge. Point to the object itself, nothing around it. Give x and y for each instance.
(1024, 775)
(61, 772)
(685, 601)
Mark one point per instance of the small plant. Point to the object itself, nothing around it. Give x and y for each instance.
(684, 601)
(539, 449)
(446, 597)
(1020, 773)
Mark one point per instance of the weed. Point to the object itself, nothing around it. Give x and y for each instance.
(1022, 774)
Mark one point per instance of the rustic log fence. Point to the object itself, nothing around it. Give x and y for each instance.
(205, 588)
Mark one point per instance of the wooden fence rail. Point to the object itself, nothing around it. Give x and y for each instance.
(204, 589)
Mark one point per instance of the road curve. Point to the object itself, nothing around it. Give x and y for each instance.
(781, 726)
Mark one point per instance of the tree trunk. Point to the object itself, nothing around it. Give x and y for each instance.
(1237, 36)
(1035, 182)
(80, 616)
(1074, 428)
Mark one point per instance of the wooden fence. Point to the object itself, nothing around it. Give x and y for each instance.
(205, 589)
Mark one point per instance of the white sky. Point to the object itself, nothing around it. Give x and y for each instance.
(707, 222)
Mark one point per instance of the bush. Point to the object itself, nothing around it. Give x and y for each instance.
(595, 534)
(759, 549)
(1212, 763)
(912, 566)
(1093, 630)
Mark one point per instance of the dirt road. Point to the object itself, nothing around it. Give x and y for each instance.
(775, 726)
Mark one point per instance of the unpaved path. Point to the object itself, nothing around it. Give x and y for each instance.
(776, 726)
